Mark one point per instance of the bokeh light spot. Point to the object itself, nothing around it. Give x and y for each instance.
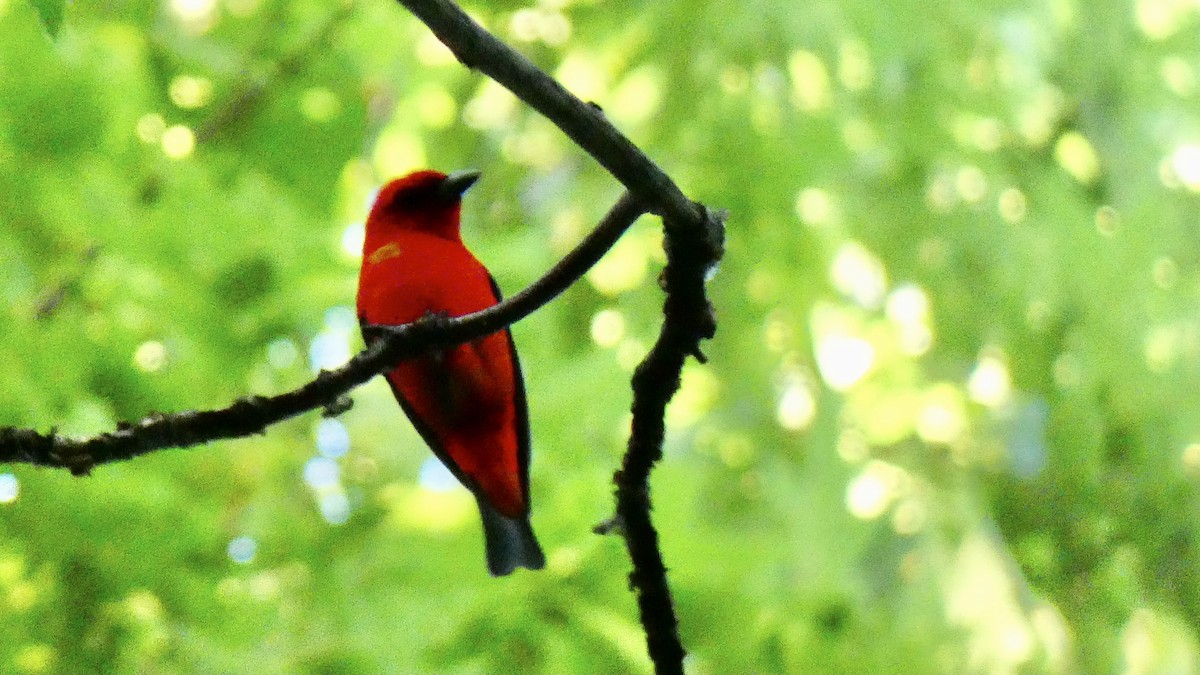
(431, 52)
(1160, 19)
(608, 327)
(328, 350)
(734, 80)
(582, 75)
(810, 82)
(777, 332)
(815, 207)
(797, 406)
(537, 146)
(909, 517)
(190, 91)
(989, 382)
(322, 473)
(859, 135)
(1068, 370)
(435, 476)
(1191, 459)
(195, 16)
(564, 561)
(859, 275)
(34, 658)
(698, 391)
(941, 194)
(335, 508)
(943, 415)
(970, 184)
(987, 134)
(737, 451)
(332, 438)
(523, 25)
(1178, 75)
(492, 107)
(352, 240)
(867, 497)
(871, 492)
(178, 142)
(1076, 156)
(908, 304)
(1142, 641)
(1185, 162)
(852, 447)
(429, 510)
(1162, 344)
(10, 488)
(854, 65)
(397, 152)
(242, 550)
(844, 360)
(150, 356)
(1036, 121)
(436, 108)
(763, 286)
(637, 97)
(622, 269)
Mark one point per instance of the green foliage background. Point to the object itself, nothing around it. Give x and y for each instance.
(952, 417)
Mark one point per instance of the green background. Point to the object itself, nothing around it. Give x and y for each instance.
(951, 421)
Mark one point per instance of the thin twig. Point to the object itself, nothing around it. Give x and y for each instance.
(252, 415)
(51, 300)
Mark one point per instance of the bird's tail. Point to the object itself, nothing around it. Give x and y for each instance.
(510, 542)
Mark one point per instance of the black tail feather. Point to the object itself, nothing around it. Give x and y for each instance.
(510, 542)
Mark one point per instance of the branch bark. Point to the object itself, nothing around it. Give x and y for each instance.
(253, 414)
(583, 123)
(694, 240)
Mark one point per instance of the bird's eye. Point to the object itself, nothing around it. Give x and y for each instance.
(403, 200)
(414, 197)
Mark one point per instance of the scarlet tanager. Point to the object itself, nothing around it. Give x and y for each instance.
(467, 402)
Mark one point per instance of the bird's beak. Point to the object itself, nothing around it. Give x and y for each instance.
(456, 184)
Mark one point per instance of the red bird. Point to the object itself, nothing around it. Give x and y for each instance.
(467, 402)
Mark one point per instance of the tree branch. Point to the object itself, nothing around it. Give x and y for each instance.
(688, 318)
(253, 414)
(694, 240)
(585, 124)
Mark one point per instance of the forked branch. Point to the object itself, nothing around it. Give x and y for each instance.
(694, 239)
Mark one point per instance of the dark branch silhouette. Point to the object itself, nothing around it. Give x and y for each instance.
(694, 242)
(688, 318)
(253, 414)
(583, 123)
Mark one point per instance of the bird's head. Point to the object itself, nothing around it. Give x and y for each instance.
(422, 201)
